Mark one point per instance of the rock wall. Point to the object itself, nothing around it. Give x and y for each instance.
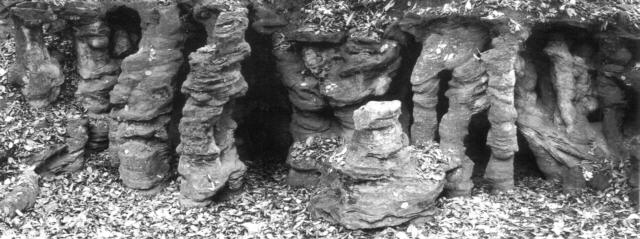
(142, 99)
(39, 74)
(208, 157)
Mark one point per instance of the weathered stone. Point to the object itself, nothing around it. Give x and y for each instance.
(355, 174)
(69, 157)
(39, 74)
(208, 157)
(142, 98)
(97, 69)
(500, 64)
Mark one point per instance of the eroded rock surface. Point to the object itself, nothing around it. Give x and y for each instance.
(208, 157)
(97, 69)
(376, 179)
(36, 71)
(143, 96)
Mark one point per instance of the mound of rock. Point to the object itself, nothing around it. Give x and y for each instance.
(376, 179)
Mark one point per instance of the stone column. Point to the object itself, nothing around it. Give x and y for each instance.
(208, 157)
(39, 74)
(466, 97)
(500, 64)
(142, 99)
(98, 71)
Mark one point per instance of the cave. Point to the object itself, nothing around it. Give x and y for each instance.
(125, 24)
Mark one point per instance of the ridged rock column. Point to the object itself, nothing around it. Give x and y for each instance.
(500, 65)
(39, 74)
(98, 71)
(143, 98)
(208, 157)
(452, 48)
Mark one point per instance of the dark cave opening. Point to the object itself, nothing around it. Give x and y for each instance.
(476, 142)
(443, 102)
(264, 113)
(126, 31)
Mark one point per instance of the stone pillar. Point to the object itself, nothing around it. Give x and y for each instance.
(500, 64)
(208, 157)
(451, 46)
(98, 71)
(466, 98)
(142, 99)
(39, 74)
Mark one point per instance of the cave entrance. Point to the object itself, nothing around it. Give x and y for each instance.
(264, 113)
(126, 31)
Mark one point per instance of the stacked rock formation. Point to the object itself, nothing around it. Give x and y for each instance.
(97, 69)
(565, 144)
(451, 47)
(326, 84)
(376, 179)
(142, 99)
(208, 157)
(500, 64)
(39, 74)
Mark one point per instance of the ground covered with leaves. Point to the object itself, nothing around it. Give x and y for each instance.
(94, 204)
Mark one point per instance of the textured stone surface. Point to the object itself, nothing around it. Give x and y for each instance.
(95, 66)
(500, 65)
(143, 96)
(208, 157)
(560, 136)
(35, 70)
(69, 157)
(449, 47)
(376, 179)
(326, 84)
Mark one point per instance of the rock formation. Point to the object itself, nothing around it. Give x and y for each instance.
(97, 69)
(500, 64)
(326, 84)
(208, 157)
(451, 46)
(39, 74)
(376, 179)
(69, 157)
(143, 96)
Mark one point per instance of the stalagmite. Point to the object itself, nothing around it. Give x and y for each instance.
(208, 157)
(142, 99)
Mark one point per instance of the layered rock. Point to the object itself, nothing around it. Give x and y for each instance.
(97, 69)
(69, 157)
(500, 64)
(326, 84)
(39, 74)
(208, 157)
(143, 96)
(566, 145)
(452, 46)
(376, 179)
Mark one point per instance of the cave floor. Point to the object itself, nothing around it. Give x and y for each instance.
(93, 203)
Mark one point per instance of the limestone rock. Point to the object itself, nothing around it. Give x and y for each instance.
(208, 157)
(69, 157)
(97, 69)
(39, 74)
(143, 96)
(378, 159)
